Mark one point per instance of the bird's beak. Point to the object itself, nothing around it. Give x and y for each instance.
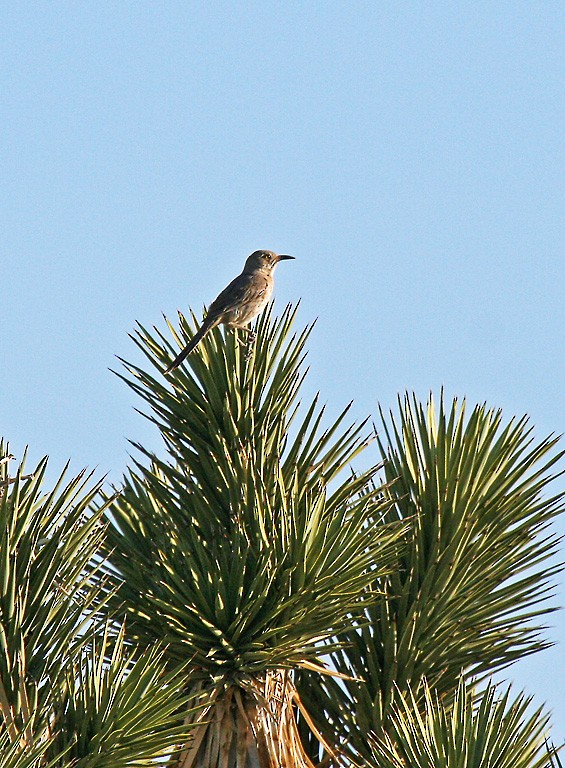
(284, 257)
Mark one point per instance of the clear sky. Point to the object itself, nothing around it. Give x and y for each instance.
(408, 154)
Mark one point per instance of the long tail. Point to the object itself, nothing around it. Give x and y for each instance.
(196, 339)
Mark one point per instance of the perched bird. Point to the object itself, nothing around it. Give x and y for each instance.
(243, 299)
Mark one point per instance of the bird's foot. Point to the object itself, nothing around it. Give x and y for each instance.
(249, 341)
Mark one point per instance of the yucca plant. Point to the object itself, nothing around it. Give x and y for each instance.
(490, 731)
(15, 754)
(118, 708)
(70, 693)
(468, 591)
(250, 547)
(48, 541)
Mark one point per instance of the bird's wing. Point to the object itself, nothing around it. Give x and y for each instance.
(241, 291)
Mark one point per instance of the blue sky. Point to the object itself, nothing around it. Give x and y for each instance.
(410, 155)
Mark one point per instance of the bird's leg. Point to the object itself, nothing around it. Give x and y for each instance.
(249, 342)
(249, 339)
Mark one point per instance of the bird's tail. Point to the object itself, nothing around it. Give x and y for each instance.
(196, 339)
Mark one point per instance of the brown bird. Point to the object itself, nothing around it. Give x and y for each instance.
(243, 299)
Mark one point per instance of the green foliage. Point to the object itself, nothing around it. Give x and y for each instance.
(491, 733)
(67, 694)
(248, 548)
(474, 578)
(118, 708)
(18, 755)
(47, 544)
(478, 492)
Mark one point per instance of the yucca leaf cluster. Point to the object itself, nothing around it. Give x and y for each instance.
(476, 574)
(253, 540)
(493, 730)
(64, 682)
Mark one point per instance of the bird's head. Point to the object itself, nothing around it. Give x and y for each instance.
(265, 261)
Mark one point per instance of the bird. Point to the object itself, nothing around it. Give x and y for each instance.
(241, 301)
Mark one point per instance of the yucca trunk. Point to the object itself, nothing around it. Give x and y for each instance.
(248, 726)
